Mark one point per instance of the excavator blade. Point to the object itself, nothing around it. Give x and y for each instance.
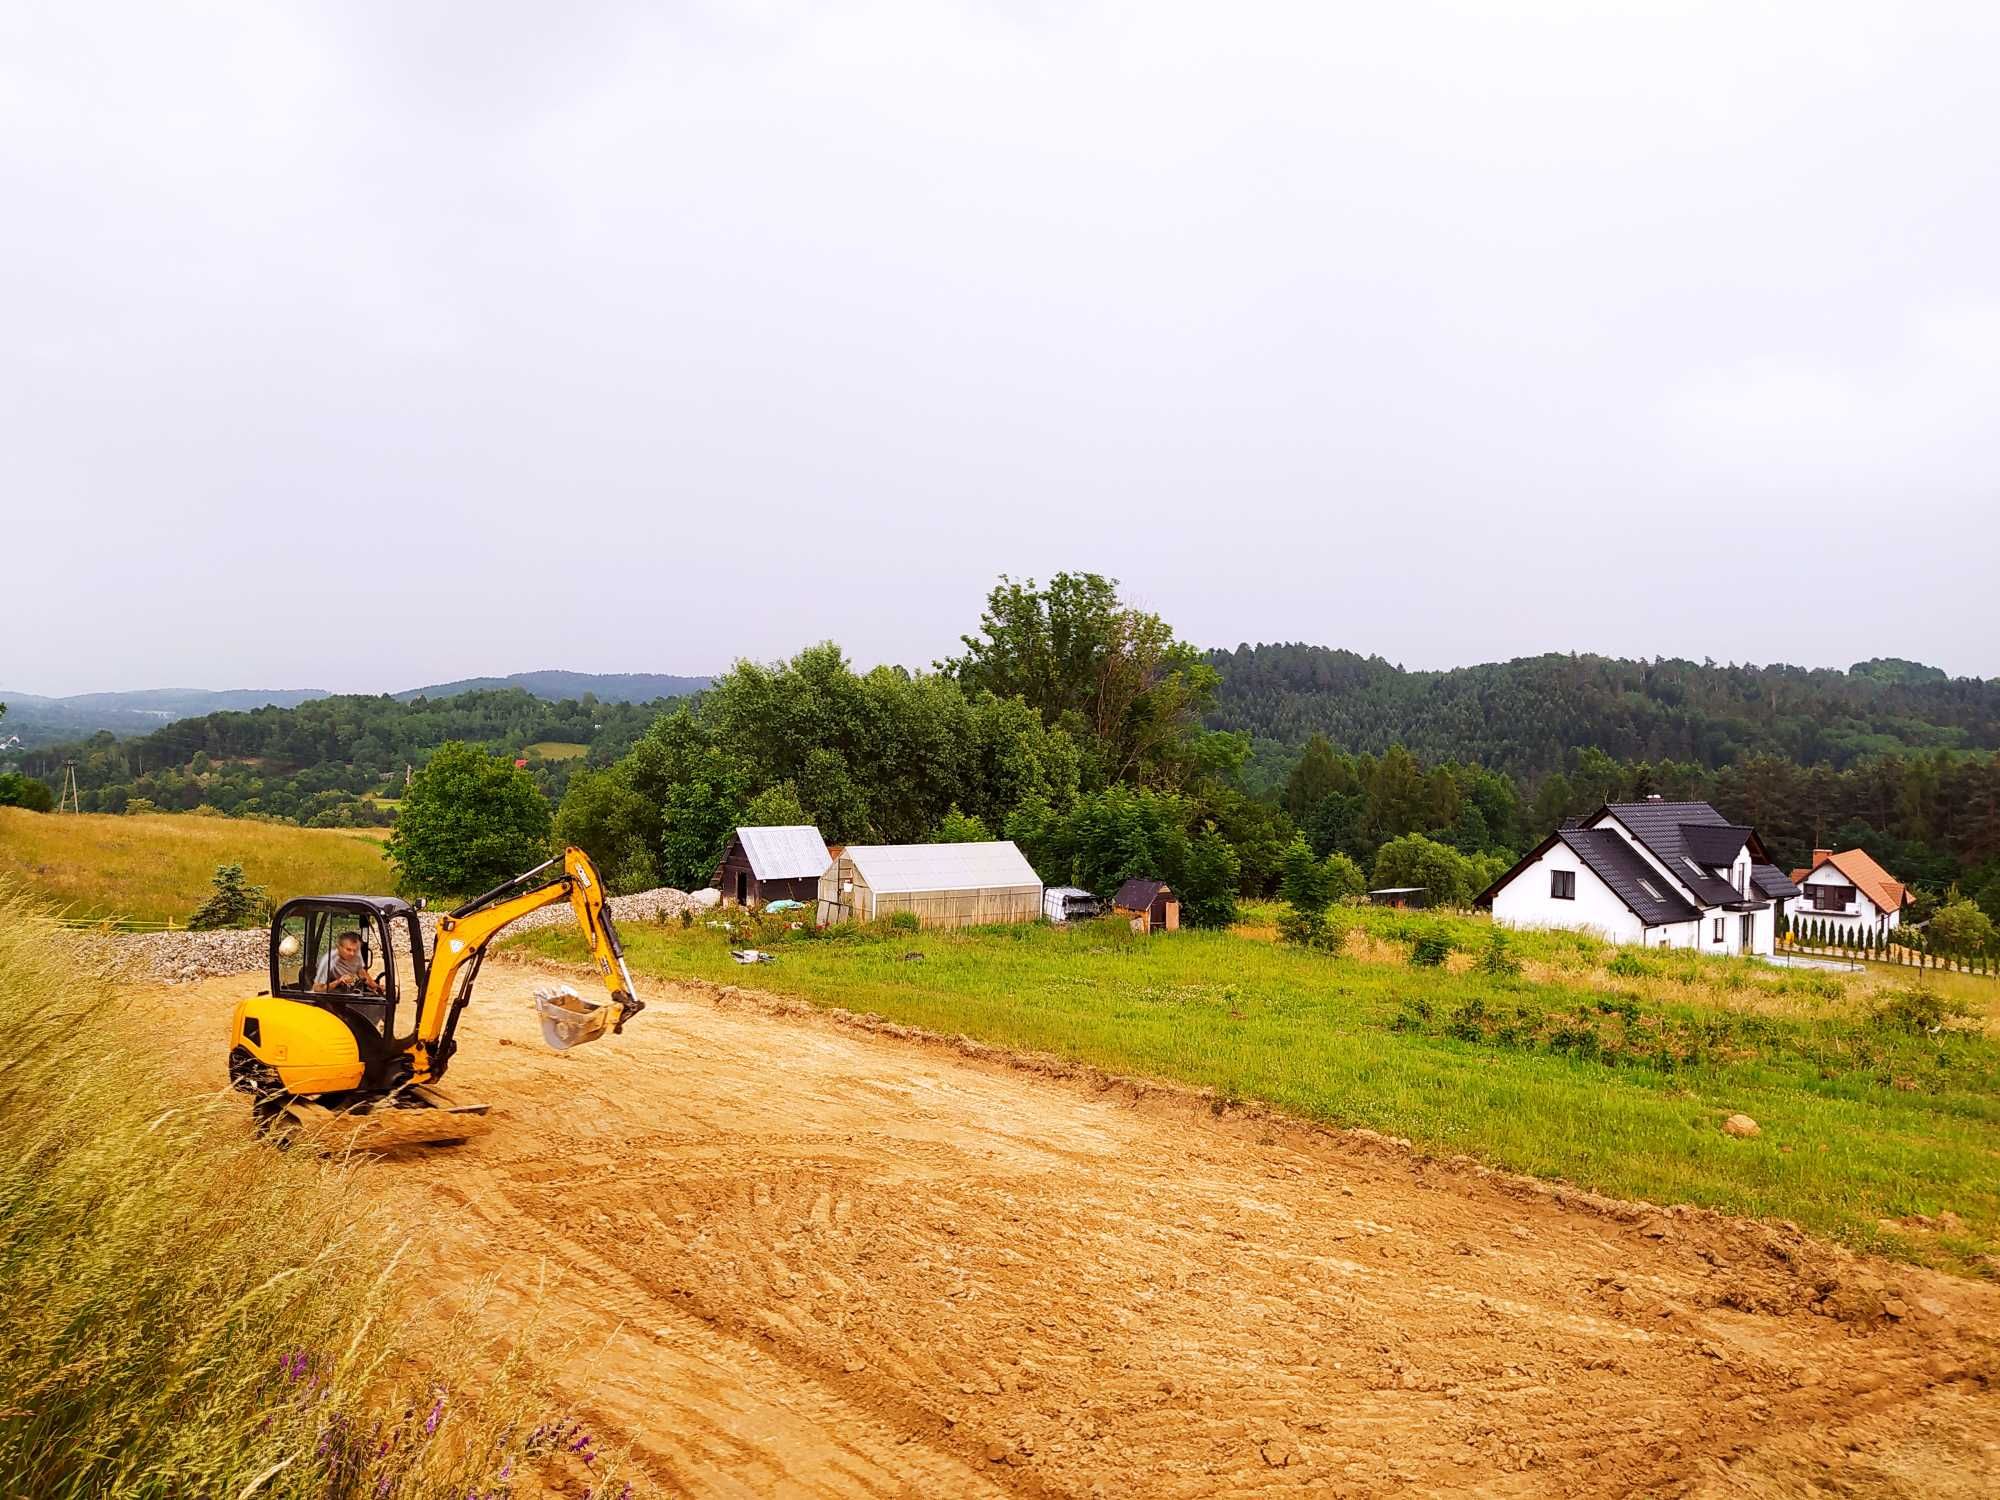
(420, 1114)
(568, 1022)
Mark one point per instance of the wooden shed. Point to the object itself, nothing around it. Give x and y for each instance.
(945, 885)
(1400, 895)
(762, 865)
(1151, 904)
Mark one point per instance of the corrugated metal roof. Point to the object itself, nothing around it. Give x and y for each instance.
(785, 853)
(943, 867)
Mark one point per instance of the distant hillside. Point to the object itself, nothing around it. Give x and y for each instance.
(336, 761)
(44, 721)
(1527, 716)
(608, 687)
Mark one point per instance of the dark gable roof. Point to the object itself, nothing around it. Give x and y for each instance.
(1632, 880)
(1714, 843)
(1608, 856)
(1137, 893)
(1665, 828)
(1772, 882)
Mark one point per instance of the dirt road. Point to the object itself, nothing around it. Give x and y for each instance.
(814, 1260)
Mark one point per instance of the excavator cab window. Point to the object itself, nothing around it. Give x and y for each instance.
(303, 945)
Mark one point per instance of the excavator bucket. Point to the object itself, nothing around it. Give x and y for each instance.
(568, 1022)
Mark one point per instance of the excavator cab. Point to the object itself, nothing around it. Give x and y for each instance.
(307, 932)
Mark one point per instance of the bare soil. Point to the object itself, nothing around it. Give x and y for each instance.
(809, 1255)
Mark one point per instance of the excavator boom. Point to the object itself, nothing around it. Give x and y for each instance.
(460, 949)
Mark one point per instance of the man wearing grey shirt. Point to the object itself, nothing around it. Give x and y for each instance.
(344, 968)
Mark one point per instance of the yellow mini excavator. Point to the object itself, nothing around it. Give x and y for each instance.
(323, 1040)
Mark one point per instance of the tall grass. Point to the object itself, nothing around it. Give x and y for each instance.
(156, 867)
(190, 1312)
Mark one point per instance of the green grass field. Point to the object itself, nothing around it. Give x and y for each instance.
(1612, 1074)
(157, 867)
(556, 750)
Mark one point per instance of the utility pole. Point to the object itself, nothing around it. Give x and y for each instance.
(69, 801)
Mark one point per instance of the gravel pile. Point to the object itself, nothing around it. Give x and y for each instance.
(664, 904)
(186, 957)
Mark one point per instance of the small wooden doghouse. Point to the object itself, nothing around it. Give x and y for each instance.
(1151, 904)
(942, 885)
(1400, 896)
(762, 865)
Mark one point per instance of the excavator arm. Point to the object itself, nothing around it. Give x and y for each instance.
(460, 949)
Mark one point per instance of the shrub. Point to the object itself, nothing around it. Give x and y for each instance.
(1960, 929)
(1627, 964)
(1311, 930)
(1430, 951)
(1918, 1010)
(17, 790)
(1468, 1021)
(1496, 960)
(233, 903)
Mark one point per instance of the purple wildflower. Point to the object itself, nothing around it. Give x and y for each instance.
(436, 1416)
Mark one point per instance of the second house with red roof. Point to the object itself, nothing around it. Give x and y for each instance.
(1848, 890)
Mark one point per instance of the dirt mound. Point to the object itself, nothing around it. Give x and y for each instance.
(803, 1256)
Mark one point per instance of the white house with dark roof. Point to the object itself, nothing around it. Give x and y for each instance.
(1662, 874)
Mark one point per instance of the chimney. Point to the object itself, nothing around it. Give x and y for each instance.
(1820, 857)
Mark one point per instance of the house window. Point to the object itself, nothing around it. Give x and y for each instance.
(1650, 889)
(1832, 897)
(1718, 929)
(1562, 884)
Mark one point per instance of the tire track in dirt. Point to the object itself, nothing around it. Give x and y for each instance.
(801, 1259)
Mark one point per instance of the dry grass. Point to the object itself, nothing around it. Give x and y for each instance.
(157, 867)
(190, 1311)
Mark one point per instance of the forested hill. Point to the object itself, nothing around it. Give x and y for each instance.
(336, 760)
(1527, 716)
(37, 720)
(554, 686)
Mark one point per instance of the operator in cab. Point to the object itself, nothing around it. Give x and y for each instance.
(344, 968)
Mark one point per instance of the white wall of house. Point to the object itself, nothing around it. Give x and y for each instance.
(1859, 912)
(1525, 900)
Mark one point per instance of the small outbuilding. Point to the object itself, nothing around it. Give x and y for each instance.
(762, 865)
(942, 885)
(1400, 896)
(1151, 904)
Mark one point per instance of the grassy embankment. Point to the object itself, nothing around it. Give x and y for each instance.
(157, 867)
(1609, 1068)
(190, 1311)
(556, 750)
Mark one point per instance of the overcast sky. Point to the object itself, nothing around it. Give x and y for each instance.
(364, 345)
